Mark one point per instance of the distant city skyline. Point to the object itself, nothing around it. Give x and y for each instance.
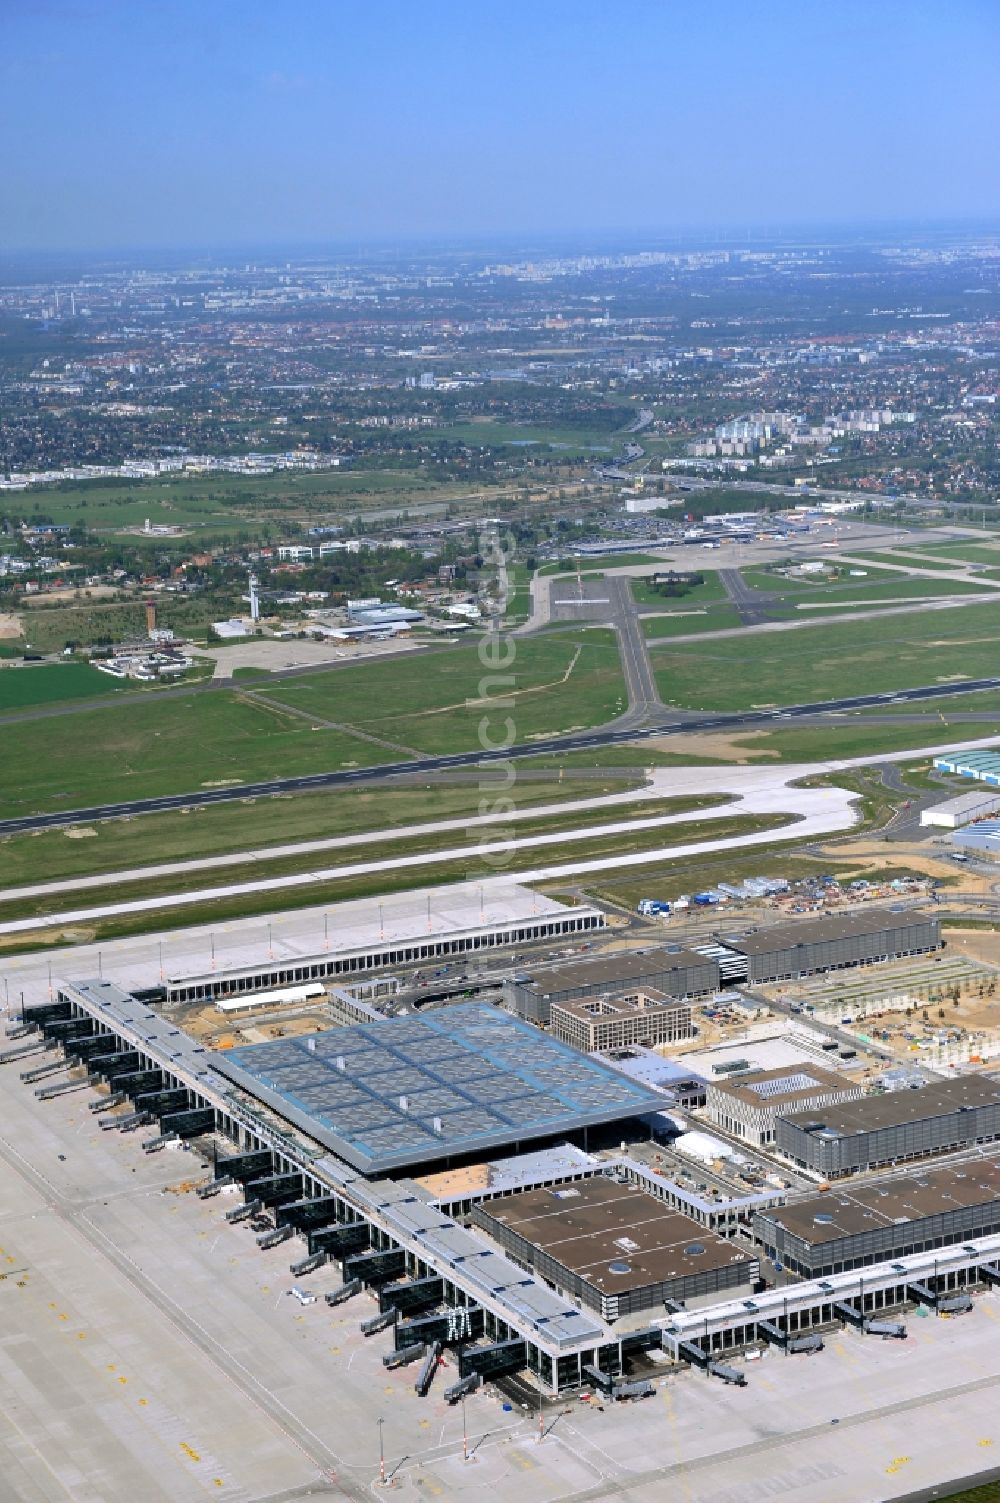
(248, 124)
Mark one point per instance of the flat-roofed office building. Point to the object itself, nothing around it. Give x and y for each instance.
(892, 1128)
(643, 1017)
(674, 973)
(748, 1105)
(615, 1248)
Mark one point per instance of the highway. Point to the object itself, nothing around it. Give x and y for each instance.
(614, 735)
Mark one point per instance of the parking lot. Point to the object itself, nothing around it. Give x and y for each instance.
(151, 1351)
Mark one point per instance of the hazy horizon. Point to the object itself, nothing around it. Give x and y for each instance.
(243, 125)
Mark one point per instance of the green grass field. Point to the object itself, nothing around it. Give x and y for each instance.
(278, 819)
(689, 874)
(519, 599)
(399, 849)
(830, 659)
(711, 589)
(168, 745)
(682, 623)
(341, 890)
(593, 568)
(444, 701)
(51, 683)
(859, 593)
(971, 552)
(557, 682)
(495, 433)
(223, 504)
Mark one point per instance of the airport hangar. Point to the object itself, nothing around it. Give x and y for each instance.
(391, 1234)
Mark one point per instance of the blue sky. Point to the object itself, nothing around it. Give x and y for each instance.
(201, 122)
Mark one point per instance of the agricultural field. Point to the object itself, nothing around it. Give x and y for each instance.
(830, 659)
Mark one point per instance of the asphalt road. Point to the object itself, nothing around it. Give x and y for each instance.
(753, 605)
(643, 693)
(584, 741)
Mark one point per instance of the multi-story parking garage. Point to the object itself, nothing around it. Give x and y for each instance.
(342, 961)
(892, 1129)
(784, 952)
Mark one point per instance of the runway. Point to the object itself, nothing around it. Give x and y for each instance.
(810, 813)
(584, 741)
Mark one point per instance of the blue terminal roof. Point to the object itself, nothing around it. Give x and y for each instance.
(413, 1090)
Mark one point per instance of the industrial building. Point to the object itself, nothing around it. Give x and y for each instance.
(438, 1086)
(963, 810)
(892, 1128)
(673, 973)
(643, 1017)
(841, 1230)
(784, 952)
(614, 1248)
(748, 1104)
(983, 836)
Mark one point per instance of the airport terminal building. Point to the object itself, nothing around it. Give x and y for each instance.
(615, 1248)
(846, 1229)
